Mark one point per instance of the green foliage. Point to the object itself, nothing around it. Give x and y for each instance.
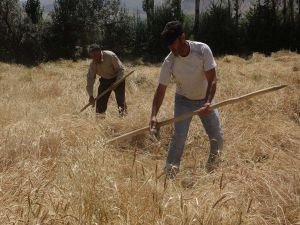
(63, 34)
(155, 49)
(148, 7)
(140, 36)
(31, 49)
(197, 16)
(297, 32)
(217, 29)
(31, 45)
(33, 10)
(27, 38)
(118, 33)
(262, 25)
(188, 26)
(80, 23)
(20, 36)
(10, 29)
(175, 7)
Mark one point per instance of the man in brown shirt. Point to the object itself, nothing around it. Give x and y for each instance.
(108, 66)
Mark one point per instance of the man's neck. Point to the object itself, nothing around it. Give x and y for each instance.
(99, 58)
(185, 50)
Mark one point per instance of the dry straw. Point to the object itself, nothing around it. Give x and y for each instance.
(55, 169)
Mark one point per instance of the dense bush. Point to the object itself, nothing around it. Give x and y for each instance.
(29, 36)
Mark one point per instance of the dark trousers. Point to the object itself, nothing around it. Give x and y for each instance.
(101, 104)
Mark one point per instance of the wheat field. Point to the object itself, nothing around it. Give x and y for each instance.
(55, 168)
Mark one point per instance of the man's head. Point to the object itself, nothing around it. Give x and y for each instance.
(174, 36)
(95, 52)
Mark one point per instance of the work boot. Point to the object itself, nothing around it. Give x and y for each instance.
(122, 111)
(212, 162)
(214, 156)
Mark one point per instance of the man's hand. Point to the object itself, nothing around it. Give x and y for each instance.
(153, 123)
(205, 110)
(92, 101)
(154, 132)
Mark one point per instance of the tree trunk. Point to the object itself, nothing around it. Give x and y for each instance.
(291, 9)
(197, 15)
(298, 12)
(284, 11)
(236, 12)
(274, 4)
(148, 7)
(176, 7)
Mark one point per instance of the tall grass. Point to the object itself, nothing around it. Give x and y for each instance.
(55, 169)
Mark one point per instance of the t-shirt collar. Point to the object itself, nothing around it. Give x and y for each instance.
(102, 59)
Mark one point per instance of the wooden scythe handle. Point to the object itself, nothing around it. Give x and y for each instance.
(196, 112)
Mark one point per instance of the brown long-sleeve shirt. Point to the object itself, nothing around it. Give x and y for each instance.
(109, 67)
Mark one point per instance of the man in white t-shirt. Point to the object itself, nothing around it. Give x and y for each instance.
(192, 65)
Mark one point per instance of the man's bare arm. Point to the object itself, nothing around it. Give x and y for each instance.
(157, 102)
(212, 85)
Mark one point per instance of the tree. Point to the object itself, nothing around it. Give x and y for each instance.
(263, 28)
(89, 15)
(10, 29)
(119, 33)
(216, 29)
(237, 14)
(74, 23)
(197, 16)
(291, 13)
(148, 7)
(284, 12)
(33, 10)
(291, 24)
(31, 50)
(65, 30)
(140, 35)
(298, 10)
(155, 49)
(175, 7)
(297, 36)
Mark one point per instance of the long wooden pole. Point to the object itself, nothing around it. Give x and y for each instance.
(112, 87)
(196, 112)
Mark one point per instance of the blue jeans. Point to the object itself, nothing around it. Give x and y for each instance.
(210, 122)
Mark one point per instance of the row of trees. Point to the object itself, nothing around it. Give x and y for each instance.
(29, 36)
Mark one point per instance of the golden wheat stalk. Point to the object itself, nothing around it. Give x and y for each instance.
(196, 112)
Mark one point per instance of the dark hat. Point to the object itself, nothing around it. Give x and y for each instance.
(171, 32)
(94, 47)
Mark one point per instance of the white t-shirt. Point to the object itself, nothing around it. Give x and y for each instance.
(188, 71)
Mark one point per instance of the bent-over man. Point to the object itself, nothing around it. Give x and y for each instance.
(108, 66)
